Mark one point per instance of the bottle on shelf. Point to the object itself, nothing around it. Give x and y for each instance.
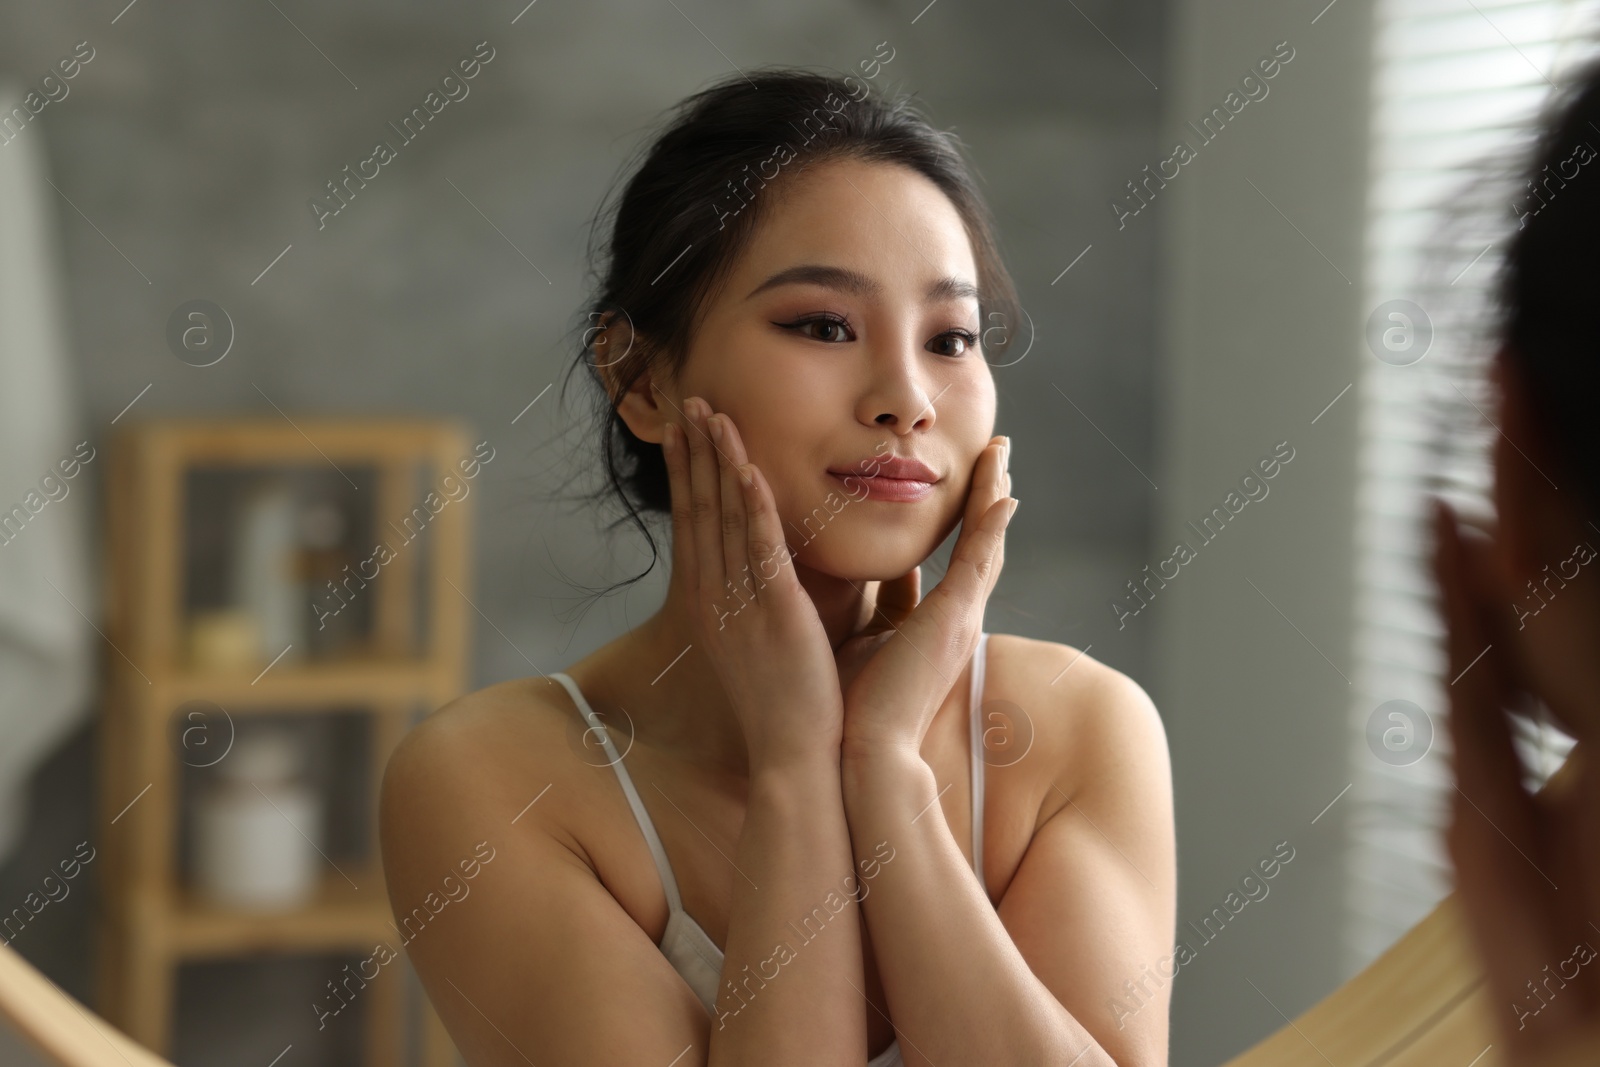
(264, 581)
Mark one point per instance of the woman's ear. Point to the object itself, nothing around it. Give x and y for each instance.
(642, 410)
(620, 355)
(610, 342)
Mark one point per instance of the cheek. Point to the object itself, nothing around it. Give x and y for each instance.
(796, 473)
(783, 418)
(966, 410)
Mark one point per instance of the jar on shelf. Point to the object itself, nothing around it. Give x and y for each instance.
(258, 826)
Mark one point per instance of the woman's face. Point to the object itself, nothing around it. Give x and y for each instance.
(848, 334)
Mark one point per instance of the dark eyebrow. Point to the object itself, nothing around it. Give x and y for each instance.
(852, 281)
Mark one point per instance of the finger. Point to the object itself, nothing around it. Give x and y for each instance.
(760, 548)
(987, 482)
(1539, 826)
(1486, 764)
(735, 534)
(1585, 793)
(1482, 688)
(1488, 837)
(1569, 851)
(768, 552)
(980, 558)
(898, 597)
(1005, 467)
(990, 484)
(705, 507)
(948, 620)
(961, 595)
(1005, 494)
(674, 449)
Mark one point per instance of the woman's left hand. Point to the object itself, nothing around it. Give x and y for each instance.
(898, 670)
(1527, 867)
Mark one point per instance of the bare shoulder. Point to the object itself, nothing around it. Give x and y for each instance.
(479, 824)
(478, 726)
(479, 759)
(483, 715)
(1092, 893)
(1087, 723)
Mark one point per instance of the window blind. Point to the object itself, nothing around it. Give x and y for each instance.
(1457, 87)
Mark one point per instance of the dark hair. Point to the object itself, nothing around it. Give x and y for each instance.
(681, 223)
(1549, 285)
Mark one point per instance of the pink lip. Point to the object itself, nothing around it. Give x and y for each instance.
(889, 478)
(904, 490)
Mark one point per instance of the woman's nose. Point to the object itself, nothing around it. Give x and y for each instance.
(897, 395)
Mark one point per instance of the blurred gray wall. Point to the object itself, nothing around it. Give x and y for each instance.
(187, 150)
(1261, 330)
(194, 139)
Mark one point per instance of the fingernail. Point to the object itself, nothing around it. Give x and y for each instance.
(716, 428)
(1013, 511)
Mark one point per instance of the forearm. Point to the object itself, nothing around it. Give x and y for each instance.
(793, 929)
(959, 991)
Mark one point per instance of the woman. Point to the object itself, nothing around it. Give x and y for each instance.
(1522, 603)
(799, 843)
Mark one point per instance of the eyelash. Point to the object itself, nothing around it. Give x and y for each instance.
(967, 336)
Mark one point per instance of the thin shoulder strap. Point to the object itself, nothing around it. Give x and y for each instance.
(979, 658)
(668, 882)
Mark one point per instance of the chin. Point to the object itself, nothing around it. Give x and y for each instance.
(864, 555)
(859, 539)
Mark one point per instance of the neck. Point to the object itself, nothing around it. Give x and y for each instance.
(689, 714)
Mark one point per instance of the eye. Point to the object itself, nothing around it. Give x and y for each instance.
(834, 324)
(968, 341)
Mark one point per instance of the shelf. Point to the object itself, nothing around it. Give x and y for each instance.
(362, 681)
(307, 439)
(337, 917)
(162, 509)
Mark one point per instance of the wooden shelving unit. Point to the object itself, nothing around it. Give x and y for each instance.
(410, 661)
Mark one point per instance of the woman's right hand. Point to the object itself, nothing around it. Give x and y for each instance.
(747, 609)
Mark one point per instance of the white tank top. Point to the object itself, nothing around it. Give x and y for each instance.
(684, 942)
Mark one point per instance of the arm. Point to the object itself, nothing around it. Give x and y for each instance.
(793, 938)
(529, 958)
(535, 961)
(793, 928)
(1091, 904)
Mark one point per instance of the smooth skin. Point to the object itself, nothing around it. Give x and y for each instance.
(784, 750)
(1527, 866)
